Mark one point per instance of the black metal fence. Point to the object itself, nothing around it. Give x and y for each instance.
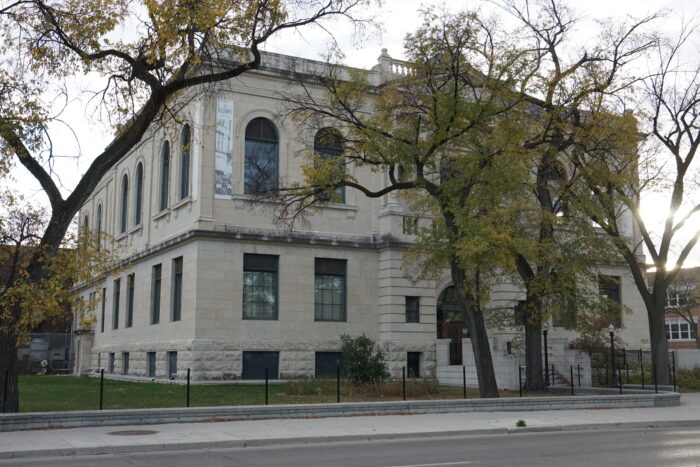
(628, 366)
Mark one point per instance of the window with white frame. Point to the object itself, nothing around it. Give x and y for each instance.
(677, 298)
(678, 329)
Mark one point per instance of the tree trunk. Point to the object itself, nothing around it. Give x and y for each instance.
(9, 390)
(488, 388)
(694, 327)
(659, 344)
(534, 376)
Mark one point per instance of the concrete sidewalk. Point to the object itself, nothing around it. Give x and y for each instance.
(179, 436)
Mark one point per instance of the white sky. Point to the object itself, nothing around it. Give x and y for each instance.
(399, 17)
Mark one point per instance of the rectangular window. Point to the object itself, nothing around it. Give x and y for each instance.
(679, 329)
(260, 286)
(519, 311)
(410, 225)
(130, 300)
(412, 309)
(177, 289)
(255, 364)
(327, 364)
(102, 310)
(115, 306)
(330, 289)
(155, 293)
(172, 365)
(413, 364)
(125, 363)
(110, 363)
(609, 287)
(151, 362)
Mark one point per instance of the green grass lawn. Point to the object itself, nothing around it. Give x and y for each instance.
(56, 393)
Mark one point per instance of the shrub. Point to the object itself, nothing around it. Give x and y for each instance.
(364, 360)
(520, 424)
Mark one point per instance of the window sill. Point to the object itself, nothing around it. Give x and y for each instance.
(164, 213)
(339, 207)
(183, 202)
(120, 237)
(135, 229)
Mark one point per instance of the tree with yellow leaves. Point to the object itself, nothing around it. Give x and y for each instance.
(171, 49)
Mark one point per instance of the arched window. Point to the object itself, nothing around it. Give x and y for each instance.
(98, 227)
(185, 138)
(328, 144)
(138, 201)
(86, 223)
(124, 204)
(164, 175)
(261, 147)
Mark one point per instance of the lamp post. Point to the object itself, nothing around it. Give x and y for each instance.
(545, 330)
(613, 376)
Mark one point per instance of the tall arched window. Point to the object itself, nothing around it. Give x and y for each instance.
(138, 199)
(85, 228)
(98, 227)
(124, 204)
(164, 175)
(185, 138)
(328, 144)
(261, 148)
(86, 223)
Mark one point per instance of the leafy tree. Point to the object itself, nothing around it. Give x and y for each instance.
(363, 360)
(662, 163)
(442, 137)
(171, 50)
(482, 130)
(50, 299)
(567, 90)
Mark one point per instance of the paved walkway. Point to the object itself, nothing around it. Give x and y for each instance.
(178, 436)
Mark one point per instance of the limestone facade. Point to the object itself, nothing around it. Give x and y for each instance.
(211, 230)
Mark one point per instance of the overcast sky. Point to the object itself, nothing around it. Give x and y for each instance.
(398, 17)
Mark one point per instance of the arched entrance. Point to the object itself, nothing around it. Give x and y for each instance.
(450, 323)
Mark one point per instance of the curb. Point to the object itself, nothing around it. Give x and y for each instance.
(242, 443)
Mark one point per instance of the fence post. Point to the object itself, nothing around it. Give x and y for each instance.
(188, 387)
(673, 354)
(571, 373)
(520, 380)
(337, 383)
(464, 381)
(641, 367)
(619, 378)
(552, 374)
(404, 382)
(578, 368)
(607, 374)
(627, 369)
(267, 378)
(102, 385)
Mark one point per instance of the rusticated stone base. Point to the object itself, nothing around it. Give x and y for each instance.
(222, 360)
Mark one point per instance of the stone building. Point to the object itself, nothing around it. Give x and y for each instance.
(213, 285)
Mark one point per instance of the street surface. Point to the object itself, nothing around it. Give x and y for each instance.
(638, 448)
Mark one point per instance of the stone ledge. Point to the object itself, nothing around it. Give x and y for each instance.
(27, 421)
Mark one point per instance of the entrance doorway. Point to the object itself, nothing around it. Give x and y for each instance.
(450, 323)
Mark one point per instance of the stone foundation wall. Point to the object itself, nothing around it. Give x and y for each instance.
(222, 360)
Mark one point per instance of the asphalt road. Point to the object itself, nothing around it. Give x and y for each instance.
(654, 447)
